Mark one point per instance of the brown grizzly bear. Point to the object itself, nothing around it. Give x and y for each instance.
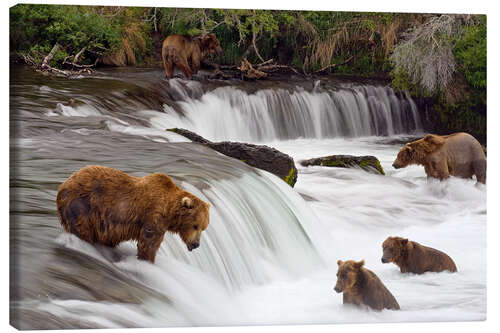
(106, 206)
(459, 155)
(411, 257)
(186, 52)
(362, 286)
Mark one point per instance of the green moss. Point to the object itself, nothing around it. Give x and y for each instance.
(379, 168)
(366, 164)
(291, 178)
(335, 164)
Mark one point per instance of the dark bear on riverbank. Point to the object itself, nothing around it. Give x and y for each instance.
(106, 206)
(362, 286)
(458, 154)
(411, 257)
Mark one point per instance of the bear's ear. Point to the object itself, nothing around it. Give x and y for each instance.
(404, 241)
(339, 262)
(359, 264)
(187, 202)
(434, 139)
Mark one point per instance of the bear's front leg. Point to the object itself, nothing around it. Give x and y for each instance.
(149, 242)
(351, 299)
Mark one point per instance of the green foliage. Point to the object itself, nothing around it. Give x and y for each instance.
(470, 54)
(401, 82)
(35, 29)
(306, 40)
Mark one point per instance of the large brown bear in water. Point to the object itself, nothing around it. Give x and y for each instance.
(362, 286)
(459, 155)
(411, 257)
(186, 52)
(106, 206)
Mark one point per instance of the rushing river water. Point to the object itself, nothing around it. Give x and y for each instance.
(269, 254)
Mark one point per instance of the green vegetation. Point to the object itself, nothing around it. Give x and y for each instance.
(444, 62)
(375, 164)
(307, 40)
(35, 29)
(438, 59)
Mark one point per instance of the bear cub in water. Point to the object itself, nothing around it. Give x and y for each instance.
(411, 257)
(362, 286)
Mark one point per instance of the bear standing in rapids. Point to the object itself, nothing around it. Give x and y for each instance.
(106, 206)
(411, 257)
(459, 155)
(362, 286)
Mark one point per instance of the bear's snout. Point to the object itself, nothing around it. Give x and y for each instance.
(337, 289)
(396, 166)
(193, 246)
(385, 261)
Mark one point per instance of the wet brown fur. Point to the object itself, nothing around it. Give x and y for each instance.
(106, 206)
(186, 53)
(411, 257)
(362, 286)
(459, 155)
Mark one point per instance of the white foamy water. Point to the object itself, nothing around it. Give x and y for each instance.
(255, 265)
(229, 113)
(269, 254)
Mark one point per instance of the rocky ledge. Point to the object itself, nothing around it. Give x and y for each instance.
(258, 156)
(367, 163)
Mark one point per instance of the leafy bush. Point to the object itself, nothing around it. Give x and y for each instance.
(470, 54)
(34, 29)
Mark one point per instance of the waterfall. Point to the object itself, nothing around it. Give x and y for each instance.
(231, 113)
(269, 255)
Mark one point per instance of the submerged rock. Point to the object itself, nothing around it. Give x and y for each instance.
(367, 163)
(258, 156)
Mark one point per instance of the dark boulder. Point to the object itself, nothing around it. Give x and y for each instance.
(258, 156)
(367, 163)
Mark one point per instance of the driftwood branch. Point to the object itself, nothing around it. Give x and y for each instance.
(45, 67)
(248, 71)
(266, 62)
(276, 67)
(333, 65)
(78, 55)
(29, 60)
(74, 64)
(48, 57)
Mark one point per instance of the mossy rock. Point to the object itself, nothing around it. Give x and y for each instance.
(367, 163)
(259, 156)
